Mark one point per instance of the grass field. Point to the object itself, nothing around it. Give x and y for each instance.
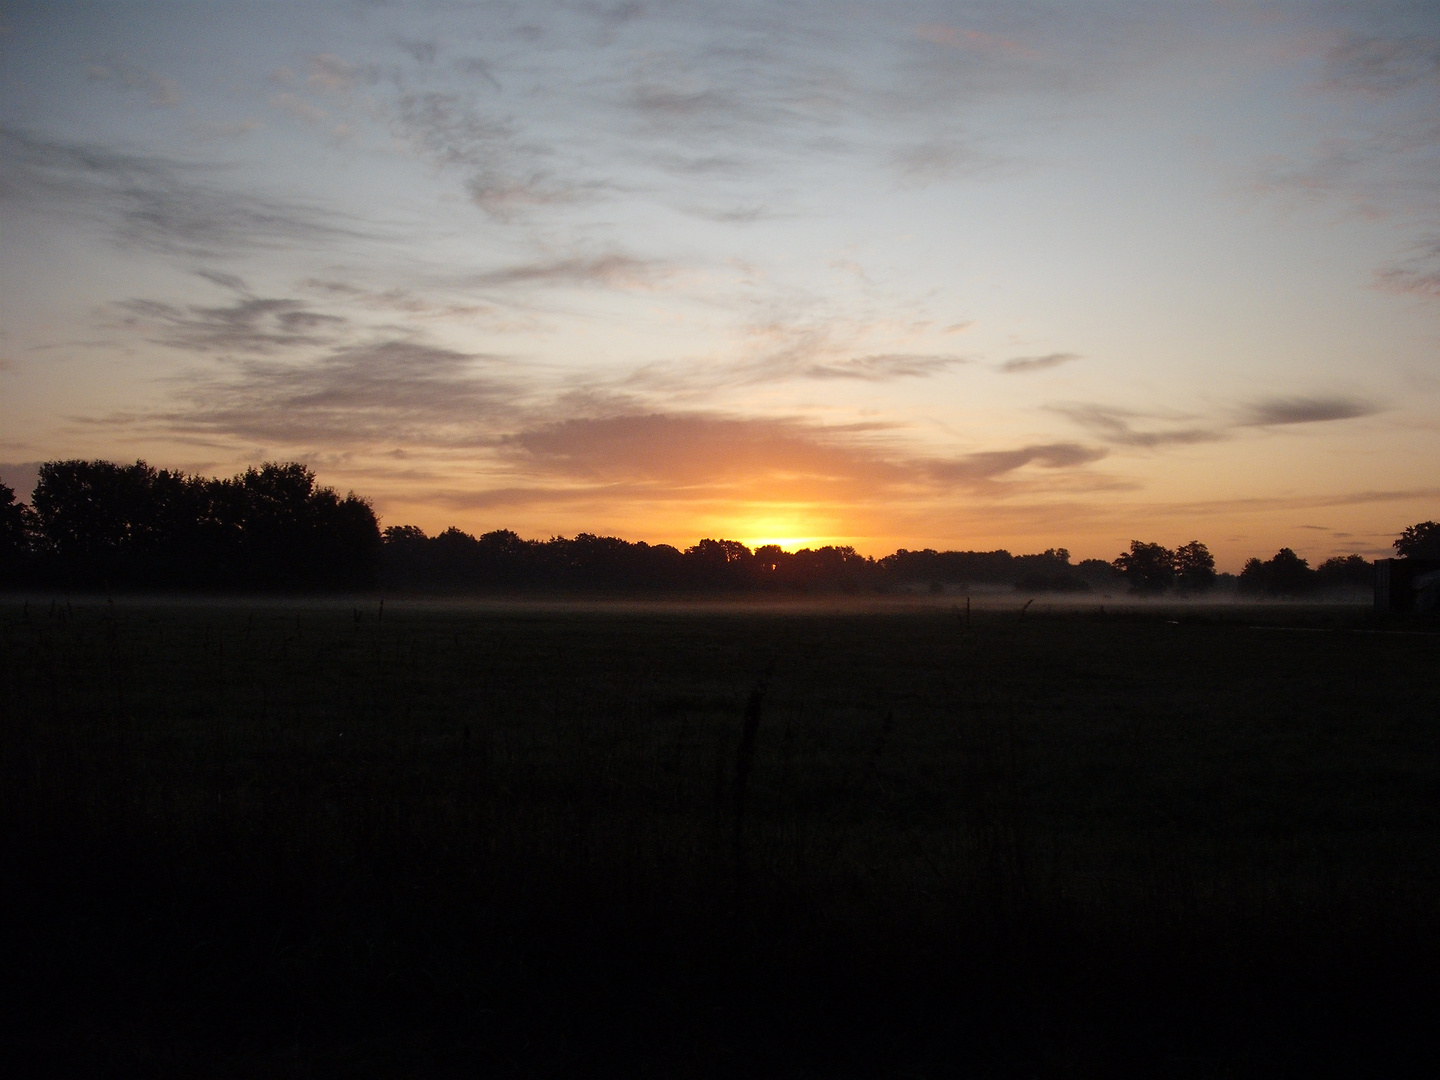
(330, 839)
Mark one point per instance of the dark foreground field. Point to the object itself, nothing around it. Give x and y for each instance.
(307, 840)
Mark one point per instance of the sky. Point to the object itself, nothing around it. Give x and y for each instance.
(888, 274)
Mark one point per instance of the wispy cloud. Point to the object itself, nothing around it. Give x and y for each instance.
(670, 105)
(1419, 274)
(233, 130)
(450, 129)
(1119, 426)
(371, 398)
(1022, 364)
(935, 160)
(883, 367)
(955, 37)
(1306, 410)
(1123, 427)
(119, 71)
(296, 106)
(754, 72)
(474, 67)
(991, 464)
(506, 195)
(734, 214)
(706, 453)
(1230, 507)
(611, 16)
(506, 175)
(964, 62)
(422, 52)
(385, 393)
(159, 203)
(793, 344)
(249, 325)
(331, 73)
(694, 449)
(1382, 65)
(613, 270)
(1375, 156)
(422, 303)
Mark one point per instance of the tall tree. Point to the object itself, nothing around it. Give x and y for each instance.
(1419, 541)
(1283, 574)
(1149, 568)
(1194, 567)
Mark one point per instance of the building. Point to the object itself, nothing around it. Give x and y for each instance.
(1407, 585)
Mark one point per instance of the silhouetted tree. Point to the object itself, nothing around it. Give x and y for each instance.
(948, 567)
(103, 525)
(17, 534)
(1252, 577)
(1290, 575)
(766, 564)
(98, 520)
(1098, 574)
(718, 563)
(349, 541)
(1149, 568)
(1345, 572)
(502, 560)
(1049, 571)
(1419, 541)
(829, 567)
(13, 533)
(1194, 567)
(404, 557)
(403, 534)
(1284, 574)
(290, 534)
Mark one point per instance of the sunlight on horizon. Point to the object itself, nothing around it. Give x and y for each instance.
(789, 544)
(910, 276)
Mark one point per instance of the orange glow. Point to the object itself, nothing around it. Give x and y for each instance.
(790, 529)
(785, 543)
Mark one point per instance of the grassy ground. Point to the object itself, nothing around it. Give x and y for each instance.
(309, 840)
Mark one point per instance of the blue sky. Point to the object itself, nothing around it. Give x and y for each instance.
(949, 274)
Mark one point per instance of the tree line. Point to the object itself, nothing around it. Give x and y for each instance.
(1287, 574)
(98, 525)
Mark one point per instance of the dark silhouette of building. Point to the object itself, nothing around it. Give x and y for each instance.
(1407, 585)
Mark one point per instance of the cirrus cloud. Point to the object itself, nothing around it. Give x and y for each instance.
(1022, 364)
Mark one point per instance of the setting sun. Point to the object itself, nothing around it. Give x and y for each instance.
(564, 270)
(785, 543)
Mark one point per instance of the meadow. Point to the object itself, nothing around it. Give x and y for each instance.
(340, 838)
